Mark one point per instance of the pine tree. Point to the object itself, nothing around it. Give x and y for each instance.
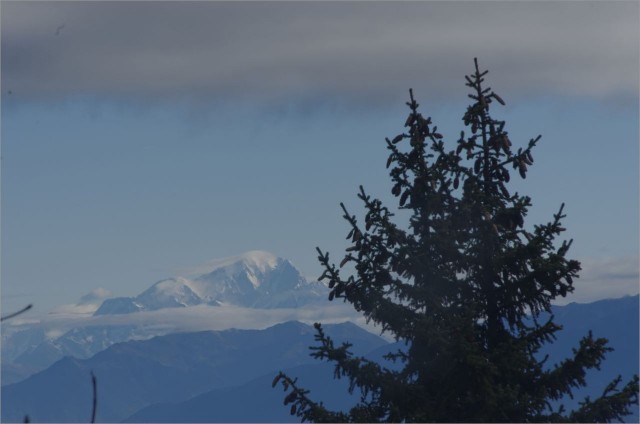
(465, 285)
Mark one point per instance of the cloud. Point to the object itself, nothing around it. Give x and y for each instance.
(361, 52)
(195, 318)
(603, 278)
(88, 304)
(75, 309)
(95, 296)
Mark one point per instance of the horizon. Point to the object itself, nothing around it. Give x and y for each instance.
(90, 302)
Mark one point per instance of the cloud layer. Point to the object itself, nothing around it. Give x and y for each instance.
(600, 278)
(195, 318)
(359, 52)
(88, 304)
(605, 278)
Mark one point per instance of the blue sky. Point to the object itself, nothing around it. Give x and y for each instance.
(147, 138)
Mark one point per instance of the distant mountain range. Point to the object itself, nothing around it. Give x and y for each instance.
(29, 351)
(615, 319)
(252, 402)
(150, 369)
(265, 403)
(255, 279)
(176, 367)
(225, 376)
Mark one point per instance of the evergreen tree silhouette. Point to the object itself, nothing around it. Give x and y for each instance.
(464, 285)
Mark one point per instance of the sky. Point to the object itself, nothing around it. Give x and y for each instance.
(142, 139)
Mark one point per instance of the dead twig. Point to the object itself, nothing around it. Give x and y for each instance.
(95, 397)
(15, 314)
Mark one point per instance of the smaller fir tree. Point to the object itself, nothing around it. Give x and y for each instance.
(464, 287)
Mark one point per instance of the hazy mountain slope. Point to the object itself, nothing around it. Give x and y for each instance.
(175, 367)
(224, 368)
(80, 342)
(615, 319)
(255, 401)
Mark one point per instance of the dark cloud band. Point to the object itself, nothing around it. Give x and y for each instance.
(355, 51)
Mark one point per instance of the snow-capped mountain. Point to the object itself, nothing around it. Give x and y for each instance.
(168, 293)
(255, 279)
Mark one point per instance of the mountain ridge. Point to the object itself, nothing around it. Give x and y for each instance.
(606, 318)
(135, 374)
(256, 279)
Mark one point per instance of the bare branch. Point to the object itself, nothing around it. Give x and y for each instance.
(15, 314)
(95, 397)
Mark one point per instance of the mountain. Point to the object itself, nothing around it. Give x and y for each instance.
(15, 344)
(176, 367)
(615, 319)
(205, 376)
(259, 401)
(168, 293)
(255, 279)
(81, 342)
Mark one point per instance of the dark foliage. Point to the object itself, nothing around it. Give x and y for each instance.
(463, 286)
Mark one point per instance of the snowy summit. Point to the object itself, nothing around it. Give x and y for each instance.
(256, 279)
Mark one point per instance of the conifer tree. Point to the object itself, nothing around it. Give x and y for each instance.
(465, 285)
